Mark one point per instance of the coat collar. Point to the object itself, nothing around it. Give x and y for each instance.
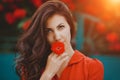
(76, 58)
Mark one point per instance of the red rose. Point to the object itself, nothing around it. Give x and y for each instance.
(58, 47)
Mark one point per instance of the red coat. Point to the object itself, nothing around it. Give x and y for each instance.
(81, 67)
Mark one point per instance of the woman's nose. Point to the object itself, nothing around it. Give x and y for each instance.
(57, 36)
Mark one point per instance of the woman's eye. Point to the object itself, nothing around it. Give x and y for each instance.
(48, 31)
(61, 27)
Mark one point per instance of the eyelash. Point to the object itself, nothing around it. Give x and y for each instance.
(61, 27)
(48, 31)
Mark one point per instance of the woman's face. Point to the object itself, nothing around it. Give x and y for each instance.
(58, 29)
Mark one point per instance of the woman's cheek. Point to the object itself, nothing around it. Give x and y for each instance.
(50, 39)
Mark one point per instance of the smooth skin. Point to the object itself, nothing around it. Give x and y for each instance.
(57, 29)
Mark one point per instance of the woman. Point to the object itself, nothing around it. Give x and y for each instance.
(53, 22)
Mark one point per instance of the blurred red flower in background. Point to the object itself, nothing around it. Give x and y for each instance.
(112, 37)
(26, 25)
(100, 27)
(36, 3)
(10, 18)
(70, 4)
(115, 47)
(20, 13)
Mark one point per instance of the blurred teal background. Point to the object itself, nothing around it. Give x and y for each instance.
(7, 67)
(111, 67)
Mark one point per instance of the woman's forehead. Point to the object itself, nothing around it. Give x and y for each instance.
(55, 20)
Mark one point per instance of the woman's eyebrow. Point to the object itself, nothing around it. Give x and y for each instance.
(59, 24)
(50, 28)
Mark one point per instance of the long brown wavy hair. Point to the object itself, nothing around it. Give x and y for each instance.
(32, 47)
